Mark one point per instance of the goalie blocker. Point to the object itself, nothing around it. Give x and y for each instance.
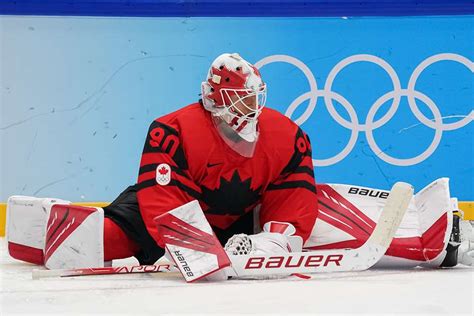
(190, 241)
(195, 249)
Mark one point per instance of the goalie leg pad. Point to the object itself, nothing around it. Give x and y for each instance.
(435, 208)
(26, 226)
(74, 237)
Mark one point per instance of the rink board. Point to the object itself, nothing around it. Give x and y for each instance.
(466, 207)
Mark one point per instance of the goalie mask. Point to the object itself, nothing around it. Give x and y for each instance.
(235, 94)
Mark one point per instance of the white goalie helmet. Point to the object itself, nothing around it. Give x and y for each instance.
(235, 94)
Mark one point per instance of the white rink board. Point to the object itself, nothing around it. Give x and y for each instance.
(415, 291)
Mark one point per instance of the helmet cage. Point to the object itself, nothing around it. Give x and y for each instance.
(240, 106)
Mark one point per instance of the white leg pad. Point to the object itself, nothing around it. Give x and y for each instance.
(74, 237)
(26, 225)
(434, 204)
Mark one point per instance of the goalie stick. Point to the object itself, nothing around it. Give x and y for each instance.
(337, 260)
(157, 267)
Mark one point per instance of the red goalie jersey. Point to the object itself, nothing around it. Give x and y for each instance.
(185, 158)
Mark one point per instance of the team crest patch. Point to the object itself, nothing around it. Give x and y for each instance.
(163, 174)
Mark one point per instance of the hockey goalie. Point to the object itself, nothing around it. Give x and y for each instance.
(234, 178)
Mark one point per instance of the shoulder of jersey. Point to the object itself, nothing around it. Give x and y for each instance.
(186, 115)
(275, 124)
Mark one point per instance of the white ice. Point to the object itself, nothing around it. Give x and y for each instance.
(415, 291)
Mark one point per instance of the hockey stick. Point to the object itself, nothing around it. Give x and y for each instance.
(337, 260)
(157, 267)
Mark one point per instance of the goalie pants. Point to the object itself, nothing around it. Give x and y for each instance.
(125, 233)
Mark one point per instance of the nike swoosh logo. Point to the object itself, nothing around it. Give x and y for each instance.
(209, 165)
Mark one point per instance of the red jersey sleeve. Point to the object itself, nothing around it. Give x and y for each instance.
(158, 191)
(292, 196)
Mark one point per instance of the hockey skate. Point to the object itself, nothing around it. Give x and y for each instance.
(466, 248)
(460, 249)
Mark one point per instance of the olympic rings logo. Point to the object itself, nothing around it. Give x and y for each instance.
(370, 124)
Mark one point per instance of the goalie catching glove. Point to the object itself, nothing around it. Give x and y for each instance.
(276, 237)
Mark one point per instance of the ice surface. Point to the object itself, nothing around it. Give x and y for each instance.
(415, 291)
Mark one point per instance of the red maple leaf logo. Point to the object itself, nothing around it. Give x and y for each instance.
(229, 80)
(163, 170)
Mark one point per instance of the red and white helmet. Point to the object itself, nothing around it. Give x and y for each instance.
(235, 93)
